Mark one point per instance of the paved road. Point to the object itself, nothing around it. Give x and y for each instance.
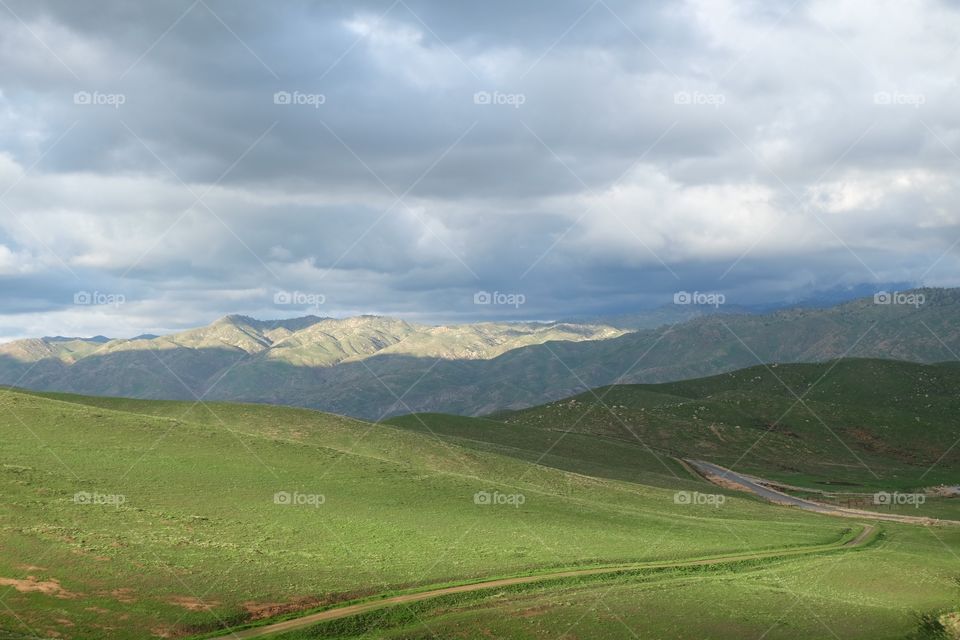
(364, 607)
(711, 471)
(723, 477)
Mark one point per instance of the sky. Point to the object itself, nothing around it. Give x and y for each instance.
(165, 164)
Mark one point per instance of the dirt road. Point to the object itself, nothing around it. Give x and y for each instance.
(363, 607)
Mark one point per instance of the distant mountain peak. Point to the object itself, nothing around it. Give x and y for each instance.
(313, 341)
(355, 365)
(235, 318)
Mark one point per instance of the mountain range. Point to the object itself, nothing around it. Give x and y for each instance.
(373, 367)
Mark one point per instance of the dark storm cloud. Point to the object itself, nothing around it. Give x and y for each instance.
(201, 96)
(590, 155)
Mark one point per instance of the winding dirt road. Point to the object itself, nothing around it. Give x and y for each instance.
(865, 535)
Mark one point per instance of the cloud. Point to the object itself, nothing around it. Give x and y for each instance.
(594, 157)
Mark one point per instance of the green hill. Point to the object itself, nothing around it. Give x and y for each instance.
(125, 518)
(857, 424)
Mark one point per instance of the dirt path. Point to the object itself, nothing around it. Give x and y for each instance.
(861, 537)
(355, 609)
(726, 478)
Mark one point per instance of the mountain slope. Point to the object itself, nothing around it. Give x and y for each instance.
(702, 347)
(376, 367)
(194, 362)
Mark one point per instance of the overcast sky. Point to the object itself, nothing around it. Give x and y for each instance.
(184, 160)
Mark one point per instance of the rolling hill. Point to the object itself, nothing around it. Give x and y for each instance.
(128, 518)
(852, 424)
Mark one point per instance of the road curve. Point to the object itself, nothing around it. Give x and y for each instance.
(725, 477)
(718, 475)
(371, 605)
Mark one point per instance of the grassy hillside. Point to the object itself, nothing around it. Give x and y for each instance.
(125, 518)
(854, 423)
(897, 590)
(702, 347)
(594, 455)
(862, 426)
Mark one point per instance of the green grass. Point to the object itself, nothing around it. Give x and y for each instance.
(599, 456)
(890, 590)
(199, 537)
(199, 526)
(862, 425)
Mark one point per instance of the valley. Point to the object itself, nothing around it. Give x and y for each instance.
(431, 320)
(191, 518)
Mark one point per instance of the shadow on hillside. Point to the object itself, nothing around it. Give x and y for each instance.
(387, 385)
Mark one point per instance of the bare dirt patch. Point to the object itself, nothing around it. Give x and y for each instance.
(726, 483)
(261, 610)
(943, 491)
(713, 429)
(50, 587)
(124, 595)
(951, 624)
(191, 603)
